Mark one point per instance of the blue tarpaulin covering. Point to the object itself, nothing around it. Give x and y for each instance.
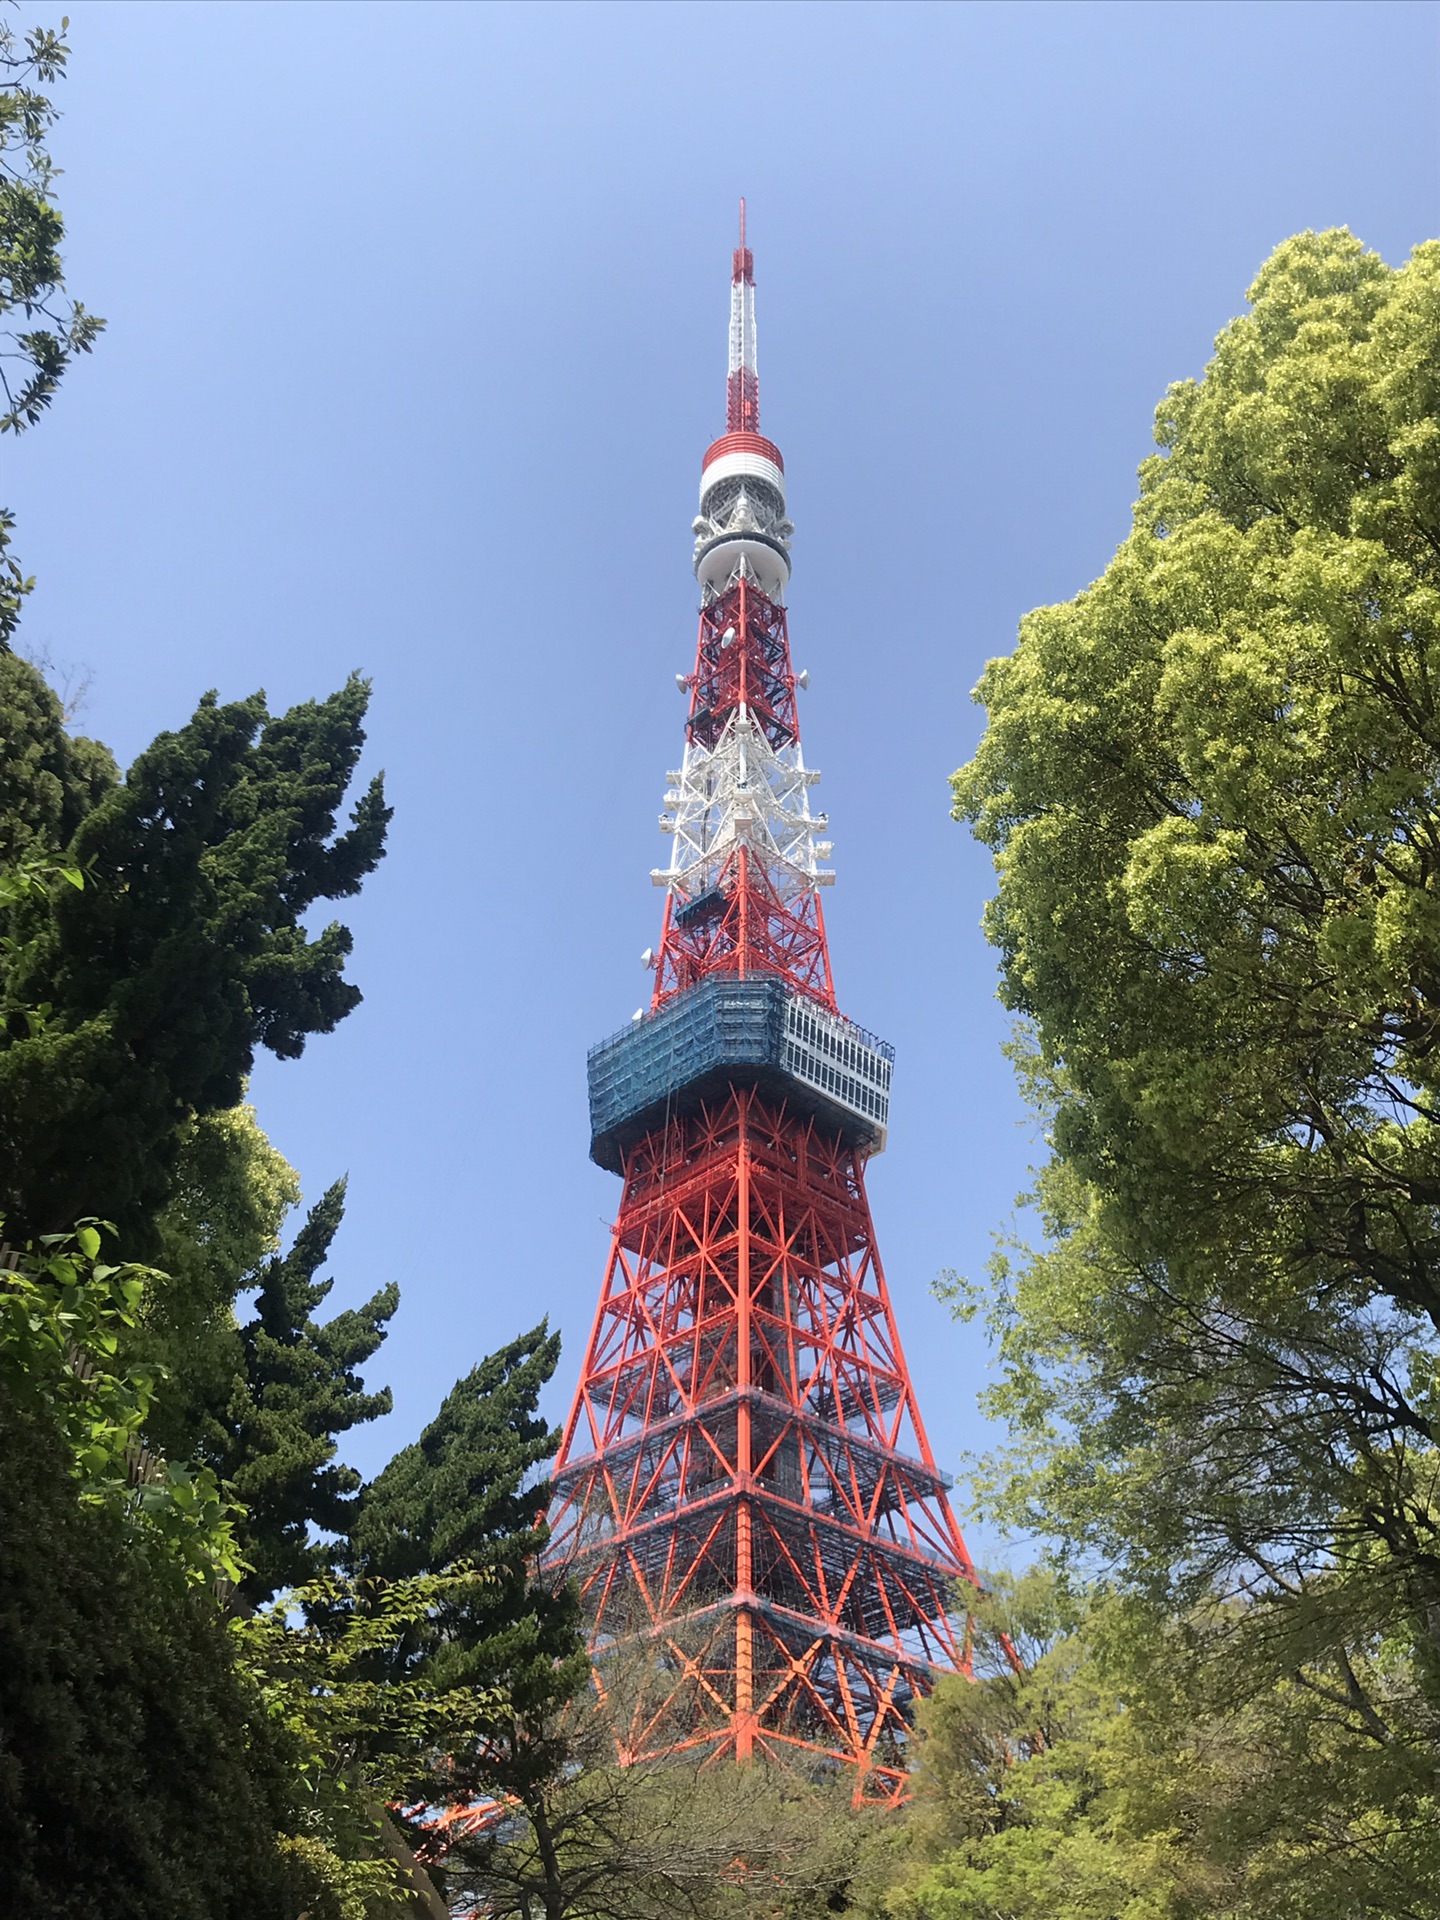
(732, 1030)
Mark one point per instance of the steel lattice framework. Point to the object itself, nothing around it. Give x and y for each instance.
(745, 1487)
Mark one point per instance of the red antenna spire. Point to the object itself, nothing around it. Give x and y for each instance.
(742, 393)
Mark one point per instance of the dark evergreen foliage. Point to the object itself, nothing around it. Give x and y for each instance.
(184, 953)
(138, 1777)
(467, 1490)
(299, 1392)
(49, 780)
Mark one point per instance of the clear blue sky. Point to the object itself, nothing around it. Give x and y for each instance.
(416, 336)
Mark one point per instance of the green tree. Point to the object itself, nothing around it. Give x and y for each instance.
(263, 1403)
(188, 952)
(41, 328)
(145, 1770)
(298, 1392)
(230, 1194)
(469, 1492)
(64, 1314)
(1210, 784)
(49, 780)
(670, 1840)
(321, 1663)
(139, 1775)
(1034, 1796)
(1128, 1767)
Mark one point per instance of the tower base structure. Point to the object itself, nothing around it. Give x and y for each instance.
(746, 1495)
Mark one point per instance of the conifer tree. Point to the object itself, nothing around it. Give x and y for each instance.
(144, 1773)
(185, 952)
(298, 1393)
(49, 778)
(467, 1492)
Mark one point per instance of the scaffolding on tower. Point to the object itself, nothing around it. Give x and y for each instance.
(745, 1492)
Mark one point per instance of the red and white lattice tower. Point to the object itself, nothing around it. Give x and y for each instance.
(745, 1490)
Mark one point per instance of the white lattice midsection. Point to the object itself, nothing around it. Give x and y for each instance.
(744, 793)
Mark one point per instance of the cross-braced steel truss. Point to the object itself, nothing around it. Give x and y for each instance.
(745, 1483)
(747, 857)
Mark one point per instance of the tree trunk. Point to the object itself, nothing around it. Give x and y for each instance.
(421, 1883)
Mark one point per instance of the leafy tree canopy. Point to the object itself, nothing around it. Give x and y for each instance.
(139, 1776)
(1121, 1771)
(49, 779)
(355, 1737)
(230, 1193)
(1210, 778)
(1210, 783)
(64, 1314)
(41, 328)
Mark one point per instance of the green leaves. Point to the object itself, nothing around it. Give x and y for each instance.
(1141, 1766)
(1212, 786)
(357, 1731)
(140, 1761)
(64, 1314)
(33, 359)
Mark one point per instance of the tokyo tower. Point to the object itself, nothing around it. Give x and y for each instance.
(745, 1489)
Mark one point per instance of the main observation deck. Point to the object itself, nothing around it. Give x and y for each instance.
(725, 1032)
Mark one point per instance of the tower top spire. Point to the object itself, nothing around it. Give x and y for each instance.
(742, 391)
(742, 521)
(744, 261)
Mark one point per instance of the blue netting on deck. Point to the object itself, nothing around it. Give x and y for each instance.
(732, 1030)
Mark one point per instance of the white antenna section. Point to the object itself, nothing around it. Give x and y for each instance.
(742, 327)
(744, 793)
